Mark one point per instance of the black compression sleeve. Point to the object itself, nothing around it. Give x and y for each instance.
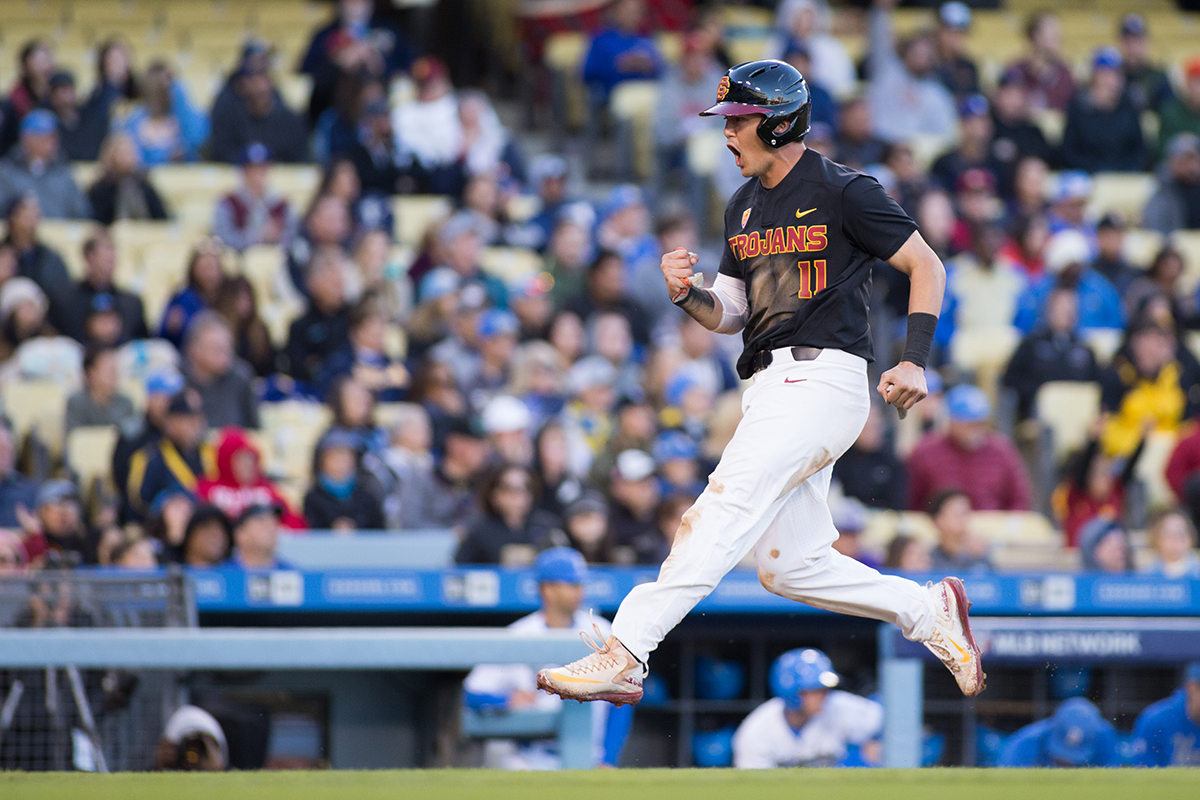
(921, 327)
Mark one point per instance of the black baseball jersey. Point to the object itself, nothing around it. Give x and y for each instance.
(804, 250)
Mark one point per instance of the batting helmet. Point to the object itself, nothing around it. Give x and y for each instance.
(799, 671)
(772, 88)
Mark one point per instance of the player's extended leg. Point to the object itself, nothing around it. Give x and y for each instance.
(796, 560)
(798, 418)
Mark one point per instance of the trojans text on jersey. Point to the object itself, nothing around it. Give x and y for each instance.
(790, 239)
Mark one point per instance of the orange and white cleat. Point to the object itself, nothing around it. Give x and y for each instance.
(952, 641)
(609, 673)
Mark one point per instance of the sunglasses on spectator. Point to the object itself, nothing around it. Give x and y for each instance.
(509, 486)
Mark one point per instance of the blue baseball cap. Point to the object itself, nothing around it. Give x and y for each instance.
(1107, 57)
(255, 153)
(56, 491)
(621, 198)
(968, 403)
(1075, 732)
(1133, 25)
(496, 322)
(163, 381)
(438, 283)
(673, 445)
(1072, 185)
(1192, 672)
(955, 15)
(801, 670)
(38, 122)
(560, 565)
(973, 105)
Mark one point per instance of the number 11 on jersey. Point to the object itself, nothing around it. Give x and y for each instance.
(812, 278)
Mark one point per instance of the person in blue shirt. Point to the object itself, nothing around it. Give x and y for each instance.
(501, 688)
(1167, 734)
(1068, 258)
(621, 52)
(1074, 736)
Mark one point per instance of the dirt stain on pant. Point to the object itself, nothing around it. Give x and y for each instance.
(686, 524)
(716, 486)
(820, 460)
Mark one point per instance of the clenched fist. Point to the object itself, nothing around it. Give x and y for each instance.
(677, 271)
(903, 386)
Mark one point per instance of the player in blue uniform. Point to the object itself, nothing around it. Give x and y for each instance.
(1167, 734)
(1074, 736)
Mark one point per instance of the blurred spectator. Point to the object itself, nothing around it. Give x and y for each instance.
(123, 191)
(974, 150)
(465, 453)
(437, 301)
(1156, 292)
(353, 406)
(36, 260)
(850, 519)
(587, 418)
(430, 128)
(358, 40)
(1173, 538)
(1175, 203)
(646, 283)
(507, 529)
(236, 304)
(496, 337)
(1183, 471)
(807, 722)
(321, 330)
(165, 126)
(907, 554)
(176, 460)
(435, 389)
(1149, 87)
(560, 574)
(166, 524)
(161, 386)
(1150, 385)
(1074, 736)
(382, 166)
(255, 537)
(115, 83)
(253, 214)
(1103, 129)
(13, 558)
(911, 182)
(62, 537)
(342, 497)
(1068, 203)
(16, 491)
(529, 298)
(634, 495)
(133, 553)
(99, 265)
(1043, 72)
(969, 456)
(1053, 351)
(907, 100)
(585, 528)
(1014, 135)
(29, 91)
(1110, 258)
(37, 167)
(807, 24)
(364, 356)
(982, 286)
(207, 540)
(824, 107)
(488, 147)
(548, 180)
(1105, 547)
(625, 227)
(557, 486)
(223, 380)
(462, 247)
(977, 206)
(99, 402)
(239, 482)
(857, 144)
(325, 228)
(1182, 114)
(507, 421)
(621, 51)
(408, 483)
(23, 309)
(957, 551)
(869, 471)
(607, 291)
(568, 254)
(81, 128)
(1026, 243)
(956, 69)
(684, 91)
(1165, 733)
(1067, 259)
(205, 274)
(384, 276)
(678, 460)
(634, 427)
(192, 742)
(255, 113)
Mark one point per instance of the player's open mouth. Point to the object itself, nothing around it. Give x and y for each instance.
(737, 155)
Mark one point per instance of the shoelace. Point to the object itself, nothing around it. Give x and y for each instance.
(601, 656)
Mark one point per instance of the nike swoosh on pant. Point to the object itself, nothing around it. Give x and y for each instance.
(796, 380)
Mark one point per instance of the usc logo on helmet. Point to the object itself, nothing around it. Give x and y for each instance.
(722, 88)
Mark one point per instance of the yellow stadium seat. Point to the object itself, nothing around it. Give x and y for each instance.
(1151, 469)
(565, 51)
(414, 215)
(738, 17)
(670, 44)
(1051, 122)
(1024, 528)
(178, 182)
(85, 173)
(632, 103)
(746, 48)
(510, 263)
(262, 264)
(66, 237)
(295, 89)
(1141, 245)
(1068, 409)
(1188, 244)
(1104, 342)
(38, 407)
(296, 182)
(972, 348)
(89, 452)
(292, 428)
(1126, 192)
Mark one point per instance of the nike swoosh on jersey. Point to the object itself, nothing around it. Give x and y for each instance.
(800, 213)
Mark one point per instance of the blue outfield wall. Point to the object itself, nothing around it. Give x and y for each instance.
(515, 590)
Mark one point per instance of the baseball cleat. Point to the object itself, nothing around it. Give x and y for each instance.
(609, 673)
(952, 641)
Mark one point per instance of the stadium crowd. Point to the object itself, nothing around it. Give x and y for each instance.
(570, 404)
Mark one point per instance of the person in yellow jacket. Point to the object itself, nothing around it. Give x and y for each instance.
(177, 460)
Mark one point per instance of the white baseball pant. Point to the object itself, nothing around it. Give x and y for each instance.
(769, 491)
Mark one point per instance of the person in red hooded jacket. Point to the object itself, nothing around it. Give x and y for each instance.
(240, 484)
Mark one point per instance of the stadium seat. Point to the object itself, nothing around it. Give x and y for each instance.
(1188, 243)
(1151, 469)
(177, 182)
(1126, 192)
(1141, 245)
(1068, 409)
(1014, 528)
(984, 351)
(414, 215)
(66, 237)
(510, 263)
(89, 452)
(38, 407)
(1104, 342)
(632, 105)
(261, 264)
(292, 428)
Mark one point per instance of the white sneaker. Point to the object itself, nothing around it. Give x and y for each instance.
(952, 641)
(610, 673)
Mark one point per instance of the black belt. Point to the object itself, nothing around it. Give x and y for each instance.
(763, 358)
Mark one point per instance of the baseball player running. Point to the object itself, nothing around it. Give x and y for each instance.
(800, 239)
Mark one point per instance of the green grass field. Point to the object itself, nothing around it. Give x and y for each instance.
(937, 784)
